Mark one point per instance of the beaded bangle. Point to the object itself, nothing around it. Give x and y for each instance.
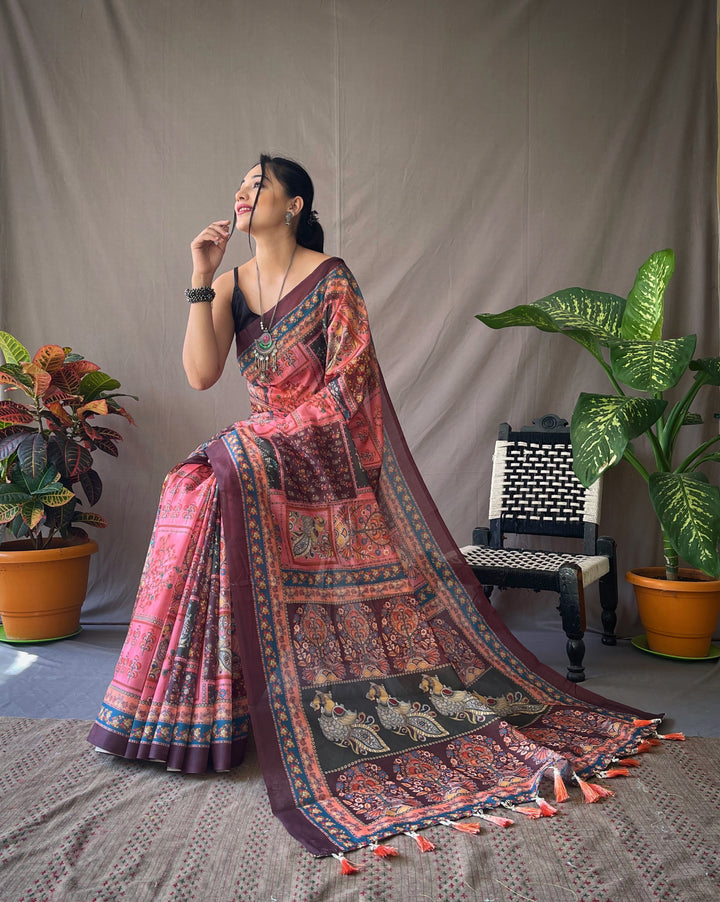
(204, 295)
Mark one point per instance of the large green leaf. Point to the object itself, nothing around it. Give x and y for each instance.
(688, 508)
(93, 384)
(591, 318)
(12, 350)
(644, 312)
(651, 366)
(602, 426)
(709, 368)
(10, 493)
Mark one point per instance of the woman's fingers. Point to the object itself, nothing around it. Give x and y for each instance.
(214, 233)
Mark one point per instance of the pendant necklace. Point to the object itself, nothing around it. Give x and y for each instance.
(265, 344)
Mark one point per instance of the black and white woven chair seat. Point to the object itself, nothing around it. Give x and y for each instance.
(535, 492)
(592, 566)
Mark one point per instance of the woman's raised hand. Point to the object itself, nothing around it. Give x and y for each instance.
(208, 248)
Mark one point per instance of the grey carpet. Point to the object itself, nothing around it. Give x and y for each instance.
(78, 826)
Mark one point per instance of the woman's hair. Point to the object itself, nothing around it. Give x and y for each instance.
(297, 182)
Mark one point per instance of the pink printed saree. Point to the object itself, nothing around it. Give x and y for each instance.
(300, 578)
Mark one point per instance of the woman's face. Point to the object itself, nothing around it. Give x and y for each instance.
(272, 201)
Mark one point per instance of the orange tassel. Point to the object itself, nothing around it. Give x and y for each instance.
(679, 736)
(346, 867)
(495, 819)
(645, 723)
(470, 827)
(589, 790)
(561, 793)
(546, 808)
(533, 813)
(614, 772)
(602, 792)
(645, 746)
(383, 851)
(628, 762)
(423, 844)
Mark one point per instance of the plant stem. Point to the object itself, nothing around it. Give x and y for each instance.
(630, 458)
(671, 559)
(691, 458)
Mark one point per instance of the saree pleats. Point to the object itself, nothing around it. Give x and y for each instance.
(177, 695)
(384, 692)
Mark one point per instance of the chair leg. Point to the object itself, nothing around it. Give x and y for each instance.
(608, 588)
(572, 612)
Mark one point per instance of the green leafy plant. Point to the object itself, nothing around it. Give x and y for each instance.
(625, 337)
(46, 443)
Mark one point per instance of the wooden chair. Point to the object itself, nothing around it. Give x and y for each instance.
(535, 492)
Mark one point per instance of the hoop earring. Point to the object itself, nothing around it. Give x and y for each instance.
(288, 218)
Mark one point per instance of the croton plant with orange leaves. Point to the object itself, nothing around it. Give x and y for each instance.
(47, 442)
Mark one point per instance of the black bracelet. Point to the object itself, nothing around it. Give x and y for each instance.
(204, 295)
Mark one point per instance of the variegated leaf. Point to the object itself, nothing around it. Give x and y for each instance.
(50, 358)
(651, 365)
(91, 519)
(8, 512)
(32, 513)
(32, 456)
(55, 495)
(12, 494)
(644, 312)
(12, 350)
(590, 318)
(709, 367)
(602, 426)
(41, 379)
(10, 412)
(688, 508)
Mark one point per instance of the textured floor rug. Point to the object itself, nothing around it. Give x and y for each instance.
(78, 826)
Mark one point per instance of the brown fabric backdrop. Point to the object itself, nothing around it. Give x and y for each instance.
(468, 155)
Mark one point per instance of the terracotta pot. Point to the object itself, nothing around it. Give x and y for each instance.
(679, 616)
(41, 592)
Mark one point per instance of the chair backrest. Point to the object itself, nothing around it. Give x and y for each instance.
(534, 488)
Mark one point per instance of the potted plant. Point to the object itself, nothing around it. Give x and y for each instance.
(625, 337)
(46, 447)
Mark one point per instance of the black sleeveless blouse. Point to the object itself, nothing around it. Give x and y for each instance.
(242, 314)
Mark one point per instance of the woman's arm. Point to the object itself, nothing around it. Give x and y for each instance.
(210, 327)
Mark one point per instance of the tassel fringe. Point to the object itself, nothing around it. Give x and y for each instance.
(680, 737)
(423, 844)
(469, 827)
(346, 867)
(495, 819)
(532, 813)
(627, 762)
(646, 723)
(589, 790)
(614, 772)
(383, 851)
(561, 793)
(546, 809)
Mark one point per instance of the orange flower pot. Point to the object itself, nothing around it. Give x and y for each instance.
(679, 616)
(42, 592)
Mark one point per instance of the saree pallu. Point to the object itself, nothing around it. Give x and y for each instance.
(301, 579)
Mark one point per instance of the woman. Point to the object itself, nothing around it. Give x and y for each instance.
(300, 577)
